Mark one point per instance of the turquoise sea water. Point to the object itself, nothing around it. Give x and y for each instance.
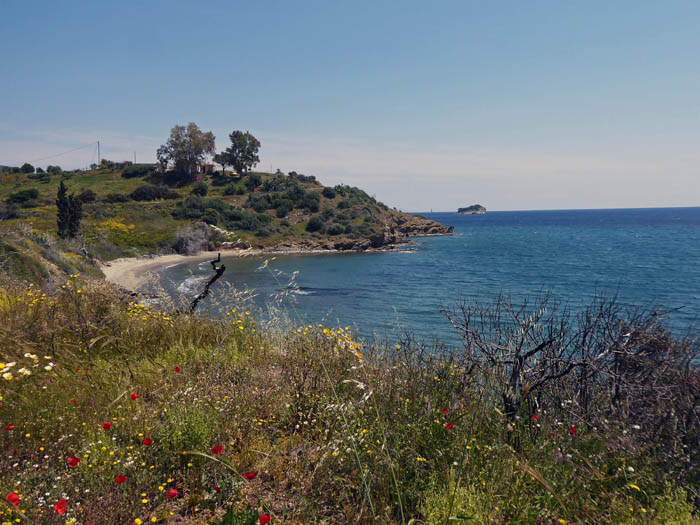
(649, 257)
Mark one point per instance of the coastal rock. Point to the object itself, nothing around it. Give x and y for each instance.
(474, 209)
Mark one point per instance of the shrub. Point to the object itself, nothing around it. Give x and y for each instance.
(336, 229)
(22, 196)
(138, 170)
(87, 196)
(151, 193)
(314, 225)
(201, 188)
(54, 169)
(252, 181)
(329, 193)
(115, 197)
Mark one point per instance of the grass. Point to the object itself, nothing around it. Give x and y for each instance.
(222, 421)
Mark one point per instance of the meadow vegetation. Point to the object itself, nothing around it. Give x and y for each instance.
(116, 412)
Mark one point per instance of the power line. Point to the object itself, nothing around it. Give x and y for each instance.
(64, 153)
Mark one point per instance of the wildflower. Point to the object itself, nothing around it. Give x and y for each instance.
(9, 427)
(217, 489)
(13, 498)
(120, 479)
(572, 429)
(73, 461)
(106, 426)
(534, 417)
(635, 487)
(134, 396)
(445, 411)
(148, 441)
(264, 519)
(177, 369)
(218, 449)
(249, 475)
(449, 426)
(60, 507)
(172, 493)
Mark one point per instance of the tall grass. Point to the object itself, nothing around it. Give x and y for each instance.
(235, 420)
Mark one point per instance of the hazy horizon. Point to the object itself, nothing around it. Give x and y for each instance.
(516, 107)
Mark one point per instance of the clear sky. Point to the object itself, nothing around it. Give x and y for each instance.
(426, 105)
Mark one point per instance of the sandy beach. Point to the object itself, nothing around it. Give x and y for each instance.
(133, 272)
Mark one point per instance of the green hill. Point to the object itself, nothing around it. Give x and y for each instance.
(136, 210)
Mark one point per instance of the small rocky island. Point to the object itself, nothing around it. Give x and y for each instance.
(475, 209)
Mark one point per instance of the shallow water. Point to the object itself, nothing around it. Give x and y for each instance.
(649, 257)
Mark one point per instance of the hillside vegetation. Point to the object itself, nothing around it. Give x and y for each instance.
(112, 412)
(137, 210)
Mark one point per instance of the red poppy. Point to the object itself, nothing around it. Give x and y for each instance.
(445, 411)
(572, 429)
(13, 498)
(551, 435)
(148, 441)
(249, 475)
(120, 479)
(73, 461)
(218, 449)
(177, 369)
(534, 418)
(449, 426)
(106, 426)
(72, 403)
(9, 427)
(217, 489)
(134, 396)
(172, 493)
(264, 519)
(60, 507)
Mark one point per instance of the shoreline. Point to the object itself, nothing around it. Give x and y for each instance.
(132, 273)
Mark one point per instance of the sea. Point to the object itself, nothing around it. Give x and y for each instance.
(646, 257)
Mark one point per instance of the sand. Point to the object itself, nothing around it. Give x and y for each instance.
(133, 272)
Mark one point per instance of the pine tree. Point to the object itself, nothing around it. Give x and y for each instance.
(64, 213)
(70, 212)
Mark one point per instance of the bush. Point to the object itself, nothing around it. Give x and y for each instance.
(329, 193)
(151, 193)
(314, 225)
(201, 188)
(115, 197)
(336, 229)
(54, 169)
(23, 196)
(87, 196)
(252, 181)
(138, 170)
(283, 207)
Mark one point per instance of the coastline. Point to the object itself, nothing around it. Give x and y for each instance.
(132, 273)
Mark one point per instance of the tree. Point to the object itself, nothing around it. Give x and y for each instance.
(222, 158)
(27, 168)
(53, 169)
(242, 154)
(186, 148)
(70, 212)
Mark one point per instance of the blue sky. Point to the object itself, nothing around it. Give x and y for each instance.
(427, 105)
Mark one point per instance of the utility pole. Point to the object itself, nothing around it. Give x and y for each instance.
(134, 157)
(99, 161)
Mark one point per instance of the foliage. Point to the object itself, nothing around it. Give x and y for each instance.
(315, 224)
(242, 154)
(70, 213)
(116, 197)
(22, 196)
(227, 420)
(151, 193)
(201, 188)
(138, 170)
(87, 196)
(27, 168)
(54, 169)
(186, 148)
